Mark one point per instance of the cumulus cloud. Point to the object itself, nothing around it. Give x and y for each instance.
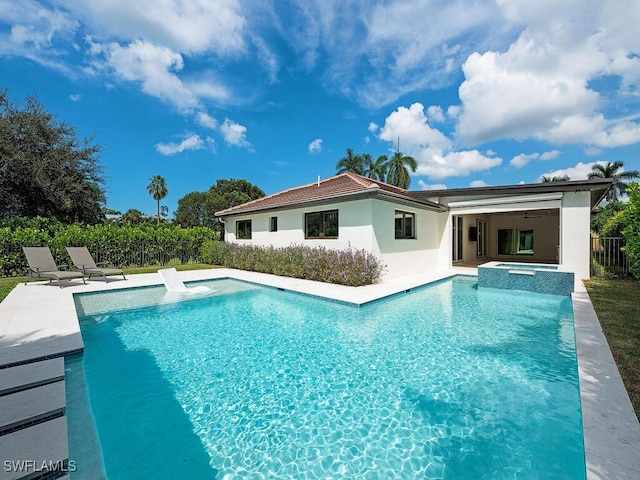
(234, 133)
(431, 148)
(541, 86)
(315, 146)
(478, 184)
(191, 142)
(578, 172)
(435, 113)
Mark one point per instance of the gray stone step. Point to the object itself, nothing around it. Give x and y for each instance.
(27, 407)
(26, 451)
(29, 375)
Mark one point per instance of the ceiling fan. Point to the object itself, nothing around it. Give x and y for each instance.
(526, 215)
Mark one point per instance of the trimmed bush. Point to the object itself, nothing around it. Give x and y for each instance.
(121, 246)
(344, 267)
(632, 229)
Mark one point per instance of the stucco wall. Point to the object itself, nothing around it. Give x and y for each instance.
(363, 224)
(575, 220)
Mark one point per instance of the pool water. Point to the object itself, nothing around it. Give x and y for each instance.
(444, 382)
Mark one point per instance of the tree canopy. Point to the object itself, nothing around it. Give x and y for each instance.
(611, 170)
(198, 208)
(45, 168)
(158, 190)
(394, 171)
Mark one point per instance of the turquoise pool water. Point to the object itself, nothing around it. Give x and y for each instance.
(444, 382)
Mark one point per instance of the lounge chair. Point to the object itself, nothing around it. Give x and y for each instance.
(42, 265)
(175, 285)
(83, 261)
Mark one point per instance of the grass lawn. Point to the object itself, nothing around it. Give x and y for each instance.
(617, 304)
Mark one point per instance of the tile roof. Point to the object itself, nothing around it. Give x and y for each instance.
(334, 187)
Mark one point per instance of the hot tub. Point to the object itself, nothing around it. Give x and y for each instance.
(530, 277)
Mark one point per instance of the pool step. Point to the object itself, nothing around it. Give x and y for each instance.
(33, 425)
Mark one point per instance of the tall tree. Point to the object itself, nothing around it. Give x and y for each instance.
(398, 170)
(376, 169)
(610, 170)
(351, 162)
(158, 190)
(45, 168)
(198, 208)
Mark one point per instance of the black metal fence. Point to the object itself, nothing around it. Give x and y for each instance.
(140, 254)
(608, 257)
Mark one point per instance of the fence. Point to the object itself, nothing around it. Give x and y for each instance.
(607, 257)
(139, 254)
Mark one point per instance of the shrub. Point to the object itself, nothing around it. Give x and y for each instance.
(121, 246)
(344, 267)
(632, 229)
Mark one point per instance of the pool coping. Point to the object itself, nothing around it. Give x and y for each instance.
(39, 321)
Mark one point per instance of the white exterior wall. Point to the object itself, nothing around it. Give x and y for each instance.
(354, 227)
(362, 224)
(575, 217)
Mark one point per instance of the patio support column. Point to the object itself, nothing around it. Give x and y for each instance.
(574, 233)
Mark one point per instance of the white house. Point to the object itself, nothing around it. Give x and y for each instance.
(418, 231)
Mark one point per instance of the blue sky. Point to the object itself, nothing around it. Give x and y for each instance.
(479, 92)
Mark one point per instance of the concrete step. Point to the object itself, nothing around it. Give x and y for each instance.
(31, 451)
(30, 375)
(28, 407)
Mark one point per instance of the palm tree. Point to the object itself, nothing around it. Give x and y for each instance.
(158, 190)
(375, 169)
(562, 178)
(398, 170)
(350, 163)
(609, 170)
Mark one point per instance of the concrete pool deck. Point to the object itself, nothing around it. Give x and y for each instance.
(38, 321)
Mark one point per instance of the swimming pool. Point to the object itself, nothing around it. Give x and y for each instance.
(443, 382)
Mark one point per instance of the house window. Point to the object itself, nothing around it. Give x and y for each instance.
(405, 224)
(321, 224)
(273, 224)
(243, 229)
(515, 241)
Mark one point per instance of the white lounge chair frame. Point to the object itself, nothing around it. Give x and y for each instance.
(173, 283)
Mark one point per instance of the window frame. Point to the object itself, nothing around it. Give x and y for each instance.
(516, 236)
(241, 226)
(401, 234)
(273, 224)
(323, 225)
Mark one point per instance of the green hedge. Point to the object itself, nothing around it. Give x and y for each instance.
(632, 229)
(120, 246)
(344, 267)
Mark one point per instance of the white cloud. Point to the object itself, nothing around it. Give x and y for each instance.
(315, 146)
(373, 127)
(540, 88)
(206, 120)
(522, 159)
(75, 97)
(153, 66)
(478, 183)
(435, 186)
(234, 133)
(578, 172)
(196, 26)
(431, 148)
(435, 113)
(550, 155)
(191, 142)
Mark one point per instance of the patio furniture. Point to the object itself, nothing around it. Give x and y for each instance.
(175, 285)
(83, 261)
(42, 265)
